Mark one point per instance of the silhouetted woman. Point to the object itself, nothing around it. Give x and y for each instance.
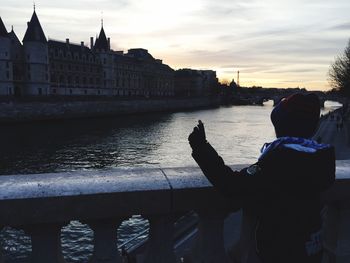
(283, 187)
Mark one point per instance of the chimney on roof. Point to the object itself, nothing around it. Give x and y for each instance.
(82, 44)
(67, 41)
(91, 42)
(109, 43)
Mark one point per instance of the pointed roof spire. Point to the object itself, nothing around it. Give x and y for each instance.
(34, 31)
(3, 31)
(101, 41)
(14, 38)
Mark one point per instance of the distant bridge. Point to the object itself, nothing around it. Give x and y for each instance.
(259, 96)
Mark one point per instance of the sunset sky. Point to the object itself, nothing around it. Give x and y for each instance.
(273, 43)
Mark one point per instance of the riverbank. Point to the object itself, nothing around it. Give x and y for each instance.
(26, 111)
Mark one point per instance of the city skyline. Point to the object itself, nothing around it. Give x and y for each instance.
(274, 44)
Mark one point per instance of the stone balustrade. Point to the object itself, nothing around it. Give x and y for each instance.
(41, 204)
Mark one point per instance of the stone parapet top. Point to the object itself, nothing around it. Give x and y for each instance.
(93, 195)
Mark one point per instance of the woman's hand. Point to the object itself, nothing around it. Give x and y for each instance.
(197, 136)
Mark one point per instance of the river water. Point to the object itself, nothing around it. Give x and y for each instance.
(150, 140)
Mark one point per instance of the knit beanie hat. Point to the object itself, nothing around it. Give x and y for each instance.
(296, 116)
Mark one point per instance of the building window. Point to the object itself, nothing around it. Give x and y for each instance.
(6, 54)
(104, 61)
(85, 92)
(7, 75)
(7, 64)
(98, 92)
(28, 56)
(40, 91)
(10, 91)
(70, 91)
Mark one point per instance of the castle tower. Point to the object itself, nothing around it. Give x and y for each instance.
(17, 63)
(35, 51)
(102, 49)
(6, 72)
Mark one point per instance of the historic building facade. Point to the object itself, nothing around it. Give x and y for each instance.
(51, 67)
(192, 83)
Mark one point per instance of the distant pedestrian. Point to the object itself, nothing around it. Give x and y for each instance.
(283, 187)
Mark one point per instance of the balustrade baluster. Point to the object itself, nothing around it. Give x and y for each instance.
(209, 244)
(105, 241)
(160, 242)
(330, 233)
(46, 243)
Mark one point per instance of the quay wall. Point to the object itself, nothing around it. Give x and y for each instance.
(22, 111)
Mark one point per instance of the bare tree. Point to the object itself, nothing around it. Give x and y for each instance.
(339, 72)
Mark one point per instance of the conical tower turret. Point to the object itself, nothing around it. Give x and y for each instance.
(6, 72)
(102, 49)
(34, 31)
(36, 59)
(3, 31)
(102, 43)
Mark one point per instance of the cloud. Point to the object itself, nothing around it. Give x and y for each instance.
(264, 39)
(288, 70)
(341, 27)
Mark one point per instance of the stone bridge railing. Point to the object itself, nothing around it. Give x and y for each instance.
(41, 204)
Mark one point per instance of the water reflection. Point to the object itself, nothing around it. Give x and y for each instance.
(146, 140)
(80, 144)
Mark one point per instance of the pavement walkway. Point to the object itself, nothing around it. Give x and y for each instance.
(330, 132)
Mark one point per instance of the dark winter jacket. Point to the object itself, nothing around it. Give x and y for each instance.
(283, 189)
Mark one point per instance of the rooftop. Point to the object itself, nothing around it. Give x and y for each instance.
(34, 31)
